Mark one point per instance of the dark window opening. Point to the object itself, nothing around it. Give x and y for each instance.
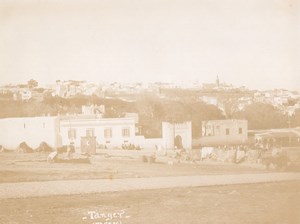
(126, 132)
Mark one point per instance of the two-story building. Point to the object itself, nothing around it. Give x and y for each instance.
(108, 132)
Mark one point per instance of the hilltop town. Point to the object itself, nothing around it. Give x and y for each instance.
(277, 108)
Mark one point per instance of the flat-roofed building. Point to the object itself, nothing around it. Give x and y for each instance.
(63, 130)
(109, 132)
(224, 132)
(285, 137)
(32, 130)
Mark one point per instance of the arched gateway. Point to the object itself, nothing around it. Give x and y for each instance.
(177, 135)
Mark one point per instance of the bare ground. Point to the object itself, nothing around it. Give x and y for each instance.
(251, 203)
(16, 167)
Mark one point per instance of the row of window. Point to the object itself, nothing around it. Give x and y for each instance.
(228, 131)
(211, 131)
(90, 132)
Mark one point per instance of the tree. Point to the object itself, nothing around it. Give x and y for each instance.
(201, 112)
(32, 83)
(262, 116)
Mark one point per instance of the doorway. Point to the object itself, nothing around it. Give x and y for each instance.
(178, 142)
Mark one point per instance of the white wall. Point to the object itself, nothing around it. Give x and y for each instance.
(32, 130)
(217, 131)
(149, 143)
(54, 131)
(99, 125)
(170, 131)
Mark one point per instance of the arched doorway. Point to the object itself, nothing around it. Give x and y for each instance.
(178, 142)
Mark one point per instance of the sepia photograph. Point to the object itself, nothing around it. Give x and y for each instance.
(149, 111)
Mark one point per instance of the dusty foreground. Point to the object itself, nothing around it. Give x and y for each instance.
(16, 167)
(70, 187)
(251, 203)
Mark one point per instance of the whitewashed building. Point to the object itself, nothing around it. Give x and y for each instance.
(32, 130)
(63, 130)
(224, 132)
(109, 132)
(209, 100)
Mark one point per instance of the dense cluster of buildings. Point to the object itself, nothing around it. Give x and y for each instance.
(210, 93)
(117, 132)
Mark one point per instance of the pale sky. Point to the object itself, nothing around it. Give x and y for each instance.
(255, 43)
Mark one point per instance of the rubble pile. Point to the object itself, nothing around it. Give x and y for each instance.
(24, 148)
(44, 147)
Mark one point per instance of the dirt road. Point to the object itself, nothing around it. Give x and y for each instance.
(69, 187)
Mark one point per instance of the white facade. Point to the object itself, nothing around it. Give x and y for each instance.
(177, 135)
(26, 95)
(23, 94)
(60, 90)
(58, 131)
(32, 130)
(219, 132)
(210, 100)
(109, 132)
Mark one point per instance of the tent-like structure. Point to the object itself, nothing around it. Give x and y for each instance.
(282, 137)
